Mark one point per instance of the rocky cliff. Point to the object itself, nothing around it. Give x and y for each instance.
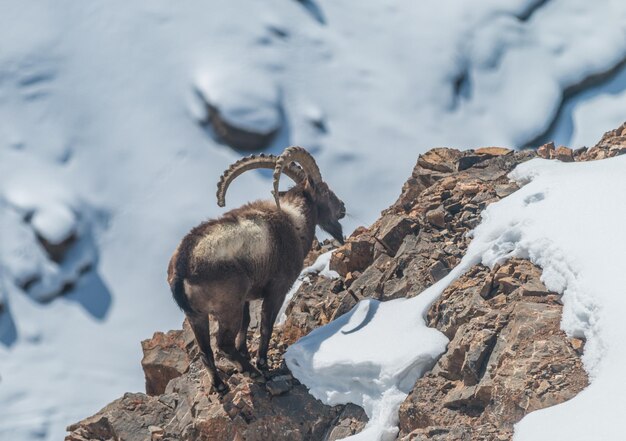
(507, 355)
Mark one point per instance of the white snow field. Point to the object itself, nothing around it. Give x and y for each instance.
(569, 219)
(100, 141)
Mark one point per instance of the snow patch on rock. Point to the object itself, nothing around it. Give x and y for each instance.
(246, 100)
(567, 220)
(321, 266)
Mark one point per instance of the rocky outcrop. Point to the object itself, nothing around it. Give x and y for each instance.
(179, 404)
(245, 115)
(507, 355)
(612, 144)
(415, 242)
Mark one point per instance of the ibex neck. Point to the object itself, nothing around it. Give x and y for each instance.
(300, 208)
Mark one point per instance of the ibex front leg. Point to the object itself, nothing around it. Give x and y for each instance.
(272, 302)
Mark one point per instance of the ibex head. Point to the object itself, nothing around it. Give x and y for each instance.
(300, 166)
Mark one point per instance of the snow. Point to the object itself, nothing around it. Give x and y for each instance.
(99, 135)
(321, 267)
(351, 359)
(250, 105)
(37, 211)
(605, 112)
(55, 224)
(567, 220)
(575, 233)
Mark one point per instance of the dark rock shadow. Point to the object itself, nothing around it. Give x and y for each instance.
(369, 315)
(313, 340)
(314, 10)
(92, 294)
(8, 330)
(561, 129)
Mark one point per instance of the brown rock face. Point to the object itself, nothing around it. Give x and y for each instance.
(183, 407)
(546, 151)
(129, 418)
(165, 358)
(507, 357)
(564, 154)
(612, 144)
(237, 137)
(415, 242)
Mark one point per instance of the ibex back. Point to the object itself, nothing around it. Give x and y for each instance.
(252, 252)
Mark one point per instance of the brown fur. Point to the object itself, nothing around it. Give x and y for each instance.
(252, 252)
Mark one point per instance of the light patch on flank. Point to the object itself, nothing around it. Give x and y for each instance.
(295, 214)
(246, 238)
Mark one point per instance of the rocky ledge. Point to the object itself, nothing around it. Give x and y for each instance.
(507, 355)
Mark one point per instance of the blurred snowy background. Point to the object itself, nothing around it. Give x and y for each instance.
(106, 157)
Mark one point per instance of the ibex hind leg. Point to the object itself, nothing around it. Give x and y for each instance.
(242, 336)
(200, 326)
(230, 325)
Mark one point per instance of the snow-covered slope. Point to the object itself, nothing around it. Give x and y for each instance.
(99, 138)
(568, 220)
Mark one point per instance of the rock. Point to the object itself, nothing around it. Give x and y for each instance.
(392, 231)
(246, 115)
(469, 187)
(481, 154)
(578, 345)
(349, 422)
(127, 418)
(437, 217)
(319, 248)
(57, 251)
(448, 183)
(546, 151)
(188, 410)
(278, 387)
(534, 288)
(438, 271)
(505, 358)
(469, 161)
(165, 358)
(564, 154)
(156, 433)
(504, 190)
(355, 255)
(507, 355)
(440, 159)
(493, 151)
(311, 307)
(613, 143)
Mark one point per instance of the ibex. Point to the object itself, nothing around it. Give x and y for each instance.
(252, 252)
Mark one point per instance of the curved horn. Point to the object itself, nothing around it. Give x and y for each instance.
(295, 155)
(251, 163)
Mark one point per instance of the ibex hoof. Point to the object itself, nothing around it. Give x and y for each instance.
(220, 388)
(255, 376)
